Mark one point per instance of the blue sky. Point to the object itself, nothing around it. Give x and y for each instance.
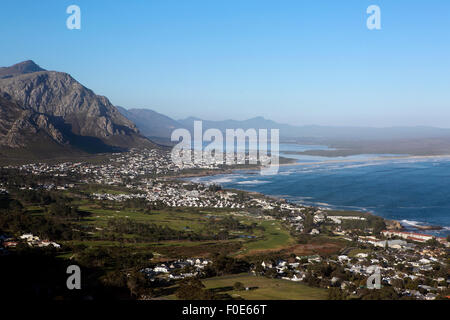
(298, 62)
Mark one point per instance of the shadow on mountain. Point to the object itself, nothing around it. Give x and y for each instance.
(86, 144)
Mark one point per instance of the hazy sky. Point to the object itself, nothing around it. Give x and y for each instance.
(298, 62)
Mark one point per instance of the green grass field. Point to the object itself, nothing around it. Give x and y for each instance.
(275, 236)
(183, 220)
(264, 288)
(94, 188)
(172, 219)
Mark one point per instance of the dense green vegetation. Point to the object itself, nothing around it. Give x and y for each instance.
(113, 240)
(98, 236)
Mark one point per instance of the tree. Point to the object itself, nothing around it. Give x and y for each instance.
(385, 293)
(336, 294)
(378, 226)
(309, 222)
(271, 273)
(227, 265)
(136, 283)
(192, 289)
(15, 206)
(223, 235)
(433, 242)
(116, 278)
(238, 286)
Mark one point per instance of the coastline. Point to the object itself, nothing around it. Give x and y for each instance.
(396, 225)
(380, 158)
(392, 224)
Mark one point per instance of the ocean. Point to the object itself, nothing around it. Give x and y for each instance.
(412, 190)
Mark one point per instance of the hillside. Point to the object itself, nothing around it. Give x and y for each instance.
(52, 109)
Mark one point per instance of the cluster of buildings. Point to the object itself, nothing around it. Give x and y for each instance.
(205, 160)
(397, 255)
(405, 264)
(176, 270)
(32, 240)
(35, 241)
(119, 168)
(418, 237)
(393, 264)
(338, 219)
(190, 194)
(176, 194)
(144, 171)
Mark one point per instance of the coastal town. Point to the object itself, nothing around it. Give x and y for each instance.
(414, 265)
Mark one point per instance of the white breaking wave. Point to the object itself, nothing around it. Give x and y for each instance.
(411, 223)
(221, 180)
(253, 182)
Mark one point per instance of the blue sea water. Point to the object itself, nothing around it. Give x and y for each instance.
(410, 190)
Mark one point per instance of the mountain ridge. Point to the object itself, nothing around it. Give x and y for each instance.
(65, 112)
(287, 131)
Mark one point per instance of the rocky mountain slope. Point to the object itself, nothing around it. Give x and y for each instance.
(55, 107)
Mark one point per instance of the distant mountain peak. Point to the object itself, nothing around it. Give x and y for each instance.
(191, 119)
(28, 66)
(259, 118)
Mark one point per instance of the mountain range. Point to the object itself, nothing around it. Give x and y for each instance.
(48, 112)
(153, 124)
